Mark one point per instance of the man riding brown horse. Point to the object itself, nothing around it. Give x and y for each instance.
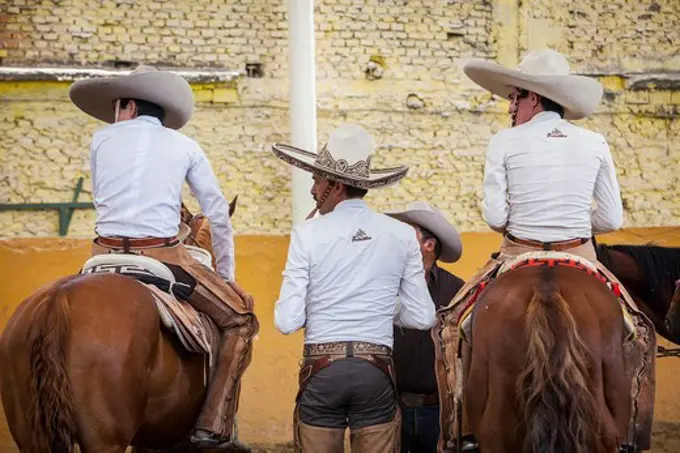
(540, 179)
(139, 165)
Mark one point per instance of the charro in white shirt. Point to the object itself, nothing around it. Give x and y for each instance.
(138, 170)
(344, 273)
(540, 179)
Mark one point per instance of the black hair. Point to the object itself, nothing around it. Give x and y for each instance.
(145, 108)
(547, 104)
(355, 192)
(427, 234)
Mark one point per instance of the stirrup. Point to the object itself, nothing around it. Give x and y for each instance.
(205, 439)
(468, 444)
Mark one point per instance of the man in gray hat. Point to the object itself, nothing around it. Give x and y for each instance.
(414, 349)
(139, 165)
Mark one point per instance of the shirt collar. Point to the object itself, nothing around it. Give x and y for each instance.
(545, 116)
(434, 272)
(148, 119)
(351, 203)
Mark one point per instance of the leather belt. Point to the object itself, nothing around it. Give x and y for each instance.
(346, 349)
(320, 356)
(135, 243)
(557, 245)
(419, 399)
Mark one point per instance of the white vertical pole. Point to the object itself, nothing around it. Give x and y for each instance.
(302, 98)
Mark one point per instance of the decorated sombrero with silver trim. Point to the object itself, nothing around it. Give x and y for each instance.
(345, 158)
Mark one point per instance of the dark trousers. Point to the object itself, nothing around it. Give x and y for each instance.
(419, 429)
(350, 392)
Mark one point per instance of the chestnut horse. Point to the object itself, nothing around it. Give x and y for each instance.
(85, 361)
(649, 273)
(547, 368)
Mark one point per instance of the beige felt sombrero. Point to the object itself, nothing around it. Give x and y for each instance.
(544, 72)
(345, 158)
(429, 217)
(96, 97)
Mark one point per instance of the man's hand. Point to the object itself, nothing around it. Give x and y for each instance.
(247, 298)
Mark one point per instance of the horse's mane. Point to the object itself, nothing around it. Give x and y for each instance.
(659, 265)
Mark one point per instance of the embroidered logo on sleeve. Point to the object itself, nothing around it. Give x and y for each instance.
(360, 235)
(556, 133)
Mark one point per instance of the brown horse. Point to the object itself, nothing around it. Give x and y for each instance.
(547, 372)
(674, 311)
(85, 361)
(649, 273)
(200, 234)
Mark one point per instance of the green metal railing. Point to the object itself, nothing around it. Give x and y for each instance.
(65, 209)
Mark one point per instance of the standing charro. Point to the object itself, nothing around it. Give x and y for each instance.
(540, 179)
(139, 165)
(413, 349)
(343, 275)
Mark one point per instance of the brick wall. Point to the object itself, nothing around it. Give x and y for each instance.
(410, 34)
(420, 107)
(606, 36)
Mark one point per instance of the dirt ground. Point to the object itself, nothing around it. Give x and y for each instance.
(666, 439)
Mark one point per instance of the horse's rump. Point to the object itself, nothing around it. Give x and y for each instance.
(45, 329)
(94, 344)
(542, 331)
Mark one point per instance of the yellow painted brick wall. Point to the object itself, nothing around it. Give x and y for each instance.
(606, 36)
(423, 111)
(230, 33)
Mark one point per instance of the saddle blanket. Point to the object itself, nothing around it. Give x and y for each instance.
(542, 258)
(195, 331)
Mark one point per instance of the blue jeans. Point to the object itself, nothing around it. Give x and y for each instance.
(419, 429)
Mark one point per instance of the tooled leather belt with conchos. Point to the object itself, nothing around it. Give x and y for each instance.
(346, 348)
(322, 355)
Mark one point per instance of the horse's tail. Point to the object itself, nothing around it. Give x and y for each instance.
(560, 412)
(52, 415)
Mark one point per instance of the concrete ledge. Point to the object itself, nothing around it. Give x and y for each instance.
(68, 74)
(636, 81)
(669, 81)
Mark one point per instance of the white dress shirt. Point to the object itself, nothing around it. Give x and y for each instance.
(138, 170)
(541, 178)
(344, 273)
